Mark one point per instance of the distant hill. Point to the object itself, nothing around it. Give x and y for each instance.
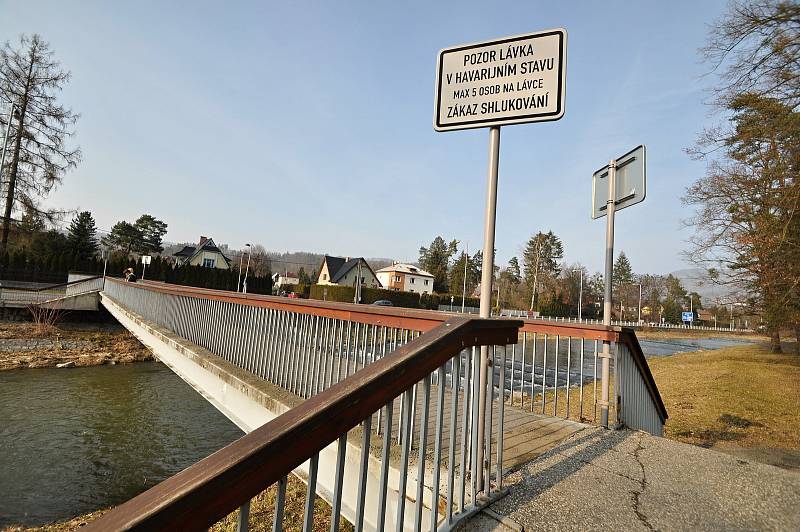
(697, 280)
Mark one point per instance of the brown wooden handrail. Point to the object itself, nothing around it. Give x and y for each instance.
(416, 319)
(212, 488)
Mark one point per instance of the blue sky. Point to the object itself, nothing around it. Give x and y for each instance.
(307, 125)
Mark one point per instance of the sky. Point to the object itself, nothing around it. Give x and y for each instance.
(307, 126)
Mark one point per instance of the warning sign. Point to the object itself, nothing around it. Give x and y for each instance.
(508, 81)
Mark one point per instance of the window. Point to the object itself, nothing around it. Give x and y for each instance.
(362, 280)
(412, 280)
(324, 276)
(426, 282)
(209, 263)
(397, 278)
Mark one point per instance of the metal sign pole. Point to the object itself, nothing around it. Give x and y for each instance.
(606, 354)
(487, 273)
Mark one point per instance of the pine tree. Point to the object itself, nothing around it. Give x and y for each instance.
(82, 236)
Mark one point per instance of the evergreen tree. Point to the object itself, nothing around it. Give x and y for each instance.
(152, 231)
(82, 235)
(436, 260)
(622, 273)
(541, 258)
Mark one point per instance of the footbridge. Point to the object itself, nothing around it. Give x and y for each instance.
(78, 293)
(382, 412)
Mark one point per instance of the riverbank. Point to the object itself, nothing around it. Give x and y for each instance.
(740, 400)
(26, 345)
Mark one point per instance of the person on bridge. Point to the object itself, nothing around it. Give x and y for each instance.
(129, 275)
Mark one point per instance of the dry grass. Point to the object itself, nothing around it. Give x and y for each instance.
(261, 514)
(741, 396)
(263, 505)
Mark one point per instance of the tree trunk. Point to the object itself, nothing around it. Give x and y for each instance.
(775, 341)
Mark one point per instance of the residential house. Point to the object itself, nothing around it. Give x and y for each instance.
(205, 253)
(406, 278)
(344, 271)
(282, 279)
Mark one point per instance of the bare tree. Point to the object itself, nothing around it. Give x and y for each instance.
(755, 47)
(31, 79)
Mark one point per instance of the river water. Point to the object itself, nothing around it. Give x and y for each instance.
(76, 440)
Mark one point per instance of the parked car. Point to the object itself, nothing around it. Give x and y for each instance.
(383, 303)
(292, 295)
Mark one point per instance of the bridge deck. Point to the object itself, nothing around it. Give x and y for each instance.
(526, 435)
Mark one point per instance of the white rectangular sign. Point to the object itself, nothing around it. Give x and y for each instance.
(507, 81)
(630, 183)
(146, 259)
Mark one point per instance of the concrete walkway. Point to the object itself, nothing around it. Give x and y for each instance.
(625, 480)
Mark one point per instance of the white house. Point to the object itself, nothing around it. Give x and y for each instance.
(205, 253)
(406, 278)
(344, 271)
(282, 279)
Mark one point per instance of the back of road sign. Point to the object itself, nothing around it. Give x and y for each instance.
(631, 181)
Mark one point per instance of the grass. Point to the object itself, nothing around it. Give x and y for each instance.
(741, 396)
(261, 514)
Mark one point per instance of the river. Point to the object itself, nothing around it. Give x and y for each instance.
(76, 440)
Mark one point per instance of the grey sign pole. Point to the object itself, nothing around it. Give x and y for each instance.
(606, 354)
(487, 273)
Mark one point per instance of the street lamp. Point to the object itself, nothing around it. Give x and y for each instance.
(246, 270)
(580, 296)
(640, 303)
(464, 289)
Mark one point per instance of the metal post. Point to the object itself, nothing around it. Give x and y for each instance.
(487, 271)
(606, 354)
(464, 290)
(580, 300)
(144, 267)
